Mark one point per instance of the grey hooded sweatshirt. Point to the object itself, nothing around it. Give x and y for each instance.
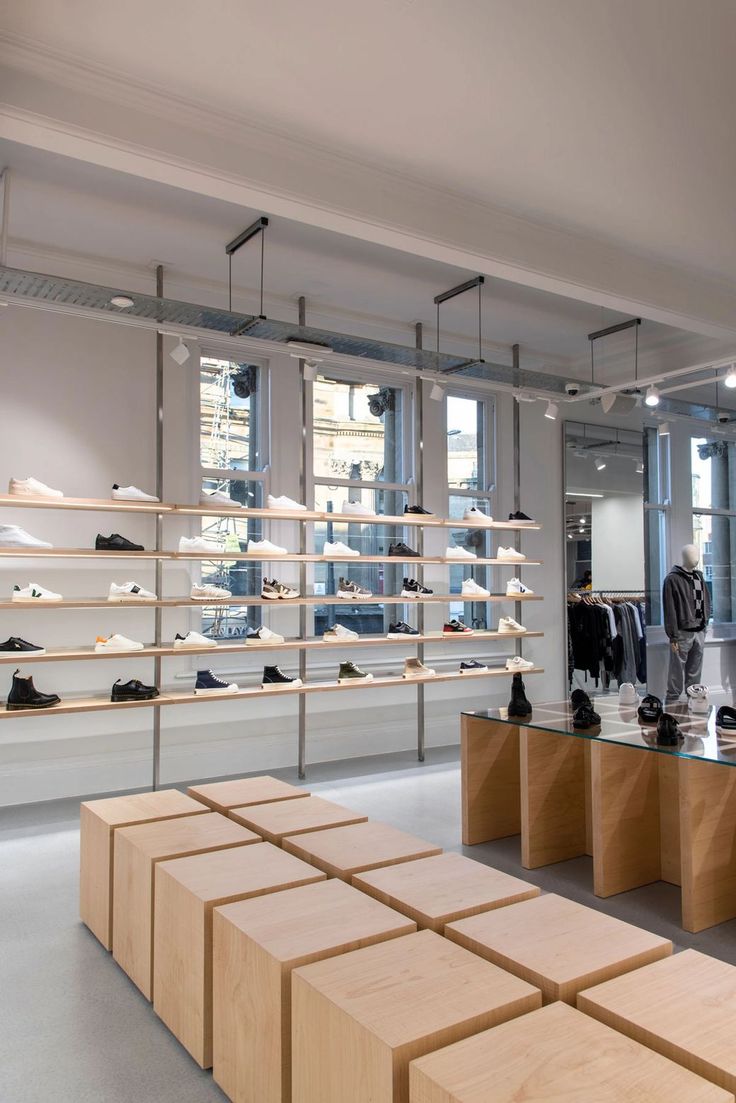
(678, 600)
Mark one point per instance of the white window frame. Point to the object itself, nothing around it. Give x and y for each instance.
(488, 478)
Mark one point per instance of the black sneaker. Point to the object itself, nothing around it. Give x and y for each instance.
(412, 588)
(520, 518)
(402, 551)
(24, 695)
(400, 630)
(649, 710)
(579, 697)
(207, 684)
(418, 511)
(274, 678)
(585, 718)
(16, 646)
(349, 672)
(471, 665)
(726, 718)
(668, 731)
(116, 542)
(134, 690)
(519, 705)
(456, 627)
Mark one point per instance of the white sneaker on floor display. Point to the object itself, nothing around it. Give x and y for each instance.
(13, 536)
(131, 494)
(357, 509)
(476, 517)
(515, 586)
(34, 592)
(204, 592)
(459, 553)
(627, 694)
(264, 548)
(338, 549)
(698, 699)
(258, 636)
(129, 591)
(517, 663)
(472, 589)
(340, 634)
(509, 555)
(508, 624)
(193, 639)
(199, 545)
(282, 502)
(218, 498)
(32, 488)
(117, 643)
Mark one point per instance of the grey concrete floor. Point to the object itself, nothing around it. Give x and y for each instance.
(76, 1030)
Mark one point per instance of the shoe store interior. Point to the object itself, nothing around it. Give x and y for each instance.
(368, 552)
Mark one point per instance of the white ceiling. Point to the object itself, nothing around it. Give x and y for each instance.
(611, 118)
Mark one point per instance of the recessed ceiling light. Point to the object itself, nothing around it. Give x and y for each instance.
(122, 302)
(651, 398)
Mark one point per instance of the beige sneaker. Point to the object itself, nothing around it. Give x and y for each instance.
(415, 668)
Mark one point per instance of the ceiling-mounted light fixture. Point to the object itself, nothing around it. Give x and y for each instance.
(730, 377)
(600, 464)
(640, 467)
(652, 398)
(122, 302)
(552, 411)
(180, 353)
(437, 393)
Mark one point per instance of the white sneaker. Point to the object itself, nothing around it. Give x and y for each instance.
(284, 503)
(508, 624)
(117, 643)
(32, 488)
(129, 591)
(515, 586)
(472, 589)
(202, 592)
(338, 548)
(517, 663)
(13, 536)
(263, 635)
(476, 516)
(34, 592)
(510, 555)
(459, 553)
(357, 509)
(194, 639)
(218, 498)
(627, 694)
(131, 494)
(198, 544)
(340, 633)
(698, 699)
(264, 548)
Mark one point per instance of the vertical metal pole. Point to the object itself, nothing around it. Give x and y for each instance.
(419, 479)
(302, 697)
(5, 178)
(159, 568)
(517, 479)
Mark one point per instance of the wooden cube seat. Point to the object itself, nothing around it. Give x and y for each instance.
(358, 1019)
(257, 944)
(187, 890)
(221, 796)
(137, 850)
(343, 851)
(557, 944)
(444, 888)
(288, 817)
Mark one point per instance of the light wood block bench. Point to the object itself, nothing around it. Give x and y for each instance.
(358, 1019)
(290, 817)
(221, 796)
(683, 1007)
(554, 1054)
(137, 850)
(187, 890)
(257, 944)
(98, 820)
(439, 890)
(344, 851)
(557, 944)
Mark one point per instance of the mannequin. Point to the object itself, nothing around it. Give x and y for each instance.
(686, 604)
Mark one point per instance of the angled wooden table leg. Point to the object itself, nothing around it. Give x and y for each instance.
(552, 797)
(489, 755)
(708, 836)
(625, 815)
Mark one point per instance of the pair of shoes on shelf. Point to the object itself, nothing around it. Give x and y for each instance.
(584, 715)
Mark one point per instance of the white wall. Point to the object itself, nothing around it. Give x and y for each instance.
(617, 535)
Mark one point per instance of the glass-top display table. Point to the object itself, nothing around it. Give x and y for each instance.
(643, 812)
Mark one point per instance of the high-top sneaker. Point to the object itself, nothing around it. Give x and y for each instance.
(519, 704)
(274, 678)
(24, 695)
(415, 668)
(349, 672)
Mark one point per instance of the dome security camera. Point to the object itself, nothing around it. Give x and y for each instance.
(572, 389)
(724, 418)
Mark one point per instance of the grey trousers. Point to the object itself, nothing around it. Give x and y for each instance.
(686, 665)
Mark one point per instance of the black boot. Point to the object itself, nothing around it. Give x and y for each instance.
(668, 731)
(519, 705)
(24, 695)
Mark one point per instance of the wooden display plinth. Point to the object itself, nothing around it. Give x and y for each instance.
(221, 796)
(98, 820)
(274, 821)
(187, 890)
(137, 850)
(447, 887)
(343, 851)
(257, 944)
(554, 1054)
(359, 1019)
(558, 945)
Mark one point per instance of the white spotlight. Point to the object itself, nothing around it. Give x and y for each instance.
(640, 468)
(552, 411)
(437, 393)
(651, 398)
(730, 377)
(181, 353)
(600, 464)
(122, 302)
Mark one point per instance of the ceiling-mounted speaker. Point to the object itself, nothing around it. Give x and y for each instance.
(615, 403)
